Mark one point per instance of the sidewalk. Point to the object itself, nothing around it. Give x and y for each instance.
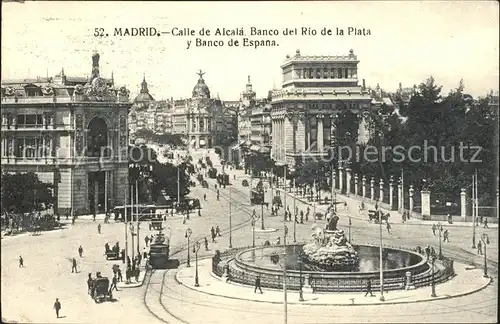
(467, 281)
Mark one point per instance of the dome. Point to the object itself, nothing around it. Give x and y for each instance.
(201, 90)
(144, 95)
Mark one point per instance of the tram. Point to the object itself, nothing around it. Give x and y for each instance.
(159, 251)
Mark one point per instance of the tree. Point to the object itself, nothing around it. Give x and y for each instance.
(165, 179)
(25, 193)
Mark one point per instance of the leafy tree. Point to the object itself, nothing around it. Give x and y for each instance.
(25, 193)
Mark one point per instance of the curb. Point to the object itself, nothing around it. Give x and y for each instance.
(135, 284)
(428, 299)
(267, 230)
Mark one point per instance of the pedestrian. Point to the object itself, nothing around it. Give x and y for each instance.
(151, 238)
(89, 284)
(119, 272)
(434, 227)
(73, 267)
(94, 215)
(479, 248)
(57, 307)
(257, 285)
(146, 240)
(278, 240)
(345, 205)
(206, 244)
(369, 288)
(217, 231)
(403, 217)
(199, 212)
(113, 284)
(296, 219)
(21, 262)
(388, 227)
(446, 237)
(428, 252)
(205, 197)
(301, 217)
(80, 251)
(485, 223)
(477, 221)
(212, 234)
(99, 228)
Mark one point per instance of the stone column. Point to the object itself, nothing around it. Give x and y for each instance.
(363, 181)
(96, 195)
(105, 191)
(356, 185)
(463, 204)
(411, 191)
(341, 179)
(320, 133)
(372, 189)
(426, 204)
(381, 191)
(307, 134)
(334, 179)
(348, 181)
(391, 193)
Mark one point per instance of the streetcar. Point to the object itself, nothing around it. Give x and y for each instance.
(257, 197)
(159, 251)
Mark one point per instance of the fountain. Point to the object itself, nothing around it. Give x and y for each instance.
(329, 249)
(328, 262)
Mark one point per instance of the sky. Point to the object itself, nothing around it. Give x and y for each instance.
(408, 42)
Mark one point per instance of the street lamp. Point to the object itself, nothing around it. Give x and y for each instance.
(350, 228)
(440, 229)
(187, 236)
(300, 261)
(263, 193)
(433, 283)
(486, 240)
(381, 260)
(254, 219)
(196, 248)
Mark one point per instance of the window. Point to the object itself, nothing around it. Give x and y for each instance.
(313, 131)
(346, 73)
(311, 73)
(202, 125)
(325, 74)
(35, 120)
(209, 125)
(332, 73)
(305, 73)
(318, 73)
(339, 73)
(327, 124)
(30, 148)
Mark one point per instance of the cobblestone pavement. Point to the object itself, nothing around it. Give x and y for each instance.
(28, 293)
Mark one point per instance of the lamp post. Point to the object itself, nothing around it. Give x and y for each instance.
(350, 228)
(196, 248)
(187, 236)
(285, 297)
(440, 229)
(263, 193)
(381, 260)
(294, 212)
(230, 222)
(300, 261)
(486, 240)
(254, 219)
(433, 283)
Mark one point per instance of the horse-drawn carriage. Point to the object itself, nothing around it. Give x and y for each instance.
(375, 215)
(212, 173)
(100, 290)
(114, 253)
(156, 225)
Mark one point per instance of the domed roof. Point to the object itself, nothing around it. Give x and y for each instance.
(201, 90)
(144, 95)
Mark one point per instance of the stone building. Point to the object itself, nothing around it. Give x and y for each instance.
(260, 121)
(73, 133)
(200, 118)
(314, 90)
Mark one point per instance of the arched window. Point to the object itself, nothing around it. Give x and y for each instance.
(97, 138)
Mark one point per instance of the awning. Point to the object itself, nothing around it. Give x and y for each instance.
(255, 148)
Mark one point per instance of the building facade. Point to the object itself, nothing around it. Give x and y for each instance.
(260, 121)
(72, 132)
(314, 90)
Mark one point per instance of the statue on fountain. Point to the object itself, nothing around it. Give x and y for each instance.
(329, 249)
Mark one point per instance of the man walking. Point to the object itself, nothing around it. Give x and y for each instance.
(446, 236)
(479, 248)
(206, 244)
(89, 284)
(21, 262)
(57, 307)
(434, 227)
(257, 285)
(217, 230)
(73, 268)
(146, 239)
(485, 223)
(99, 228)
(113, 284)
(388, 226)
(369, 288)
(80, 251)
(212, 233)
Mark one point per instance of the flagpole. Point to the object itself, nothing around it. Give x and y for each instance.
(285, 230)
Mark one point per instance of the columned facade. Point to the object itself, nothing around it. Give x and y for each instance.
(314, 90)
